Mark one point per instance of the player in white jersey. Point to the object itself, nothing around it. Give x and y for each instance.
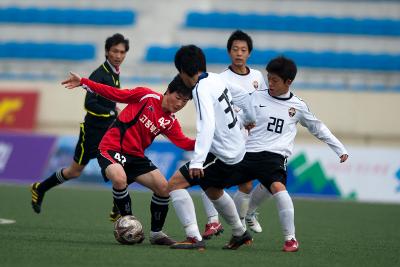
(271, 142)
(218, 150)
(239, 47)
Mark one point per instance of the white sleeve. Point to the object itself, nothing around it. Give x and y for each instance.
(319, 130)
(205, 126)
(244, 101)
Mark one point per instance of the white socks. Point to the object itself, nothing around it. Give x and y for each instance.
(185, 211)
(257, 196)
(211, 212)
(226, 207)
(242, 203)
(285, 208)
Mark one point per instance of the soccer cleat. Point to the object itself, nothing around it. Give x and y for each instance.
(114, 213)
(190, 243)
(214, 228)
(237, 241)
(37, 197)
(252, 222)
(291, 245)
(161, 239)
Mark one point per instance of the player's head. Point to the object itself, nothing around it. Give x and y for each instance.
(239, 35)
(116, 47)
(239, 48)
(190, 62)
(281, 73)
(176, 96)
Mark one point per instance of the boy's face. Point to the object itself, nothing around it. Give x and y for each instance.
(239, 53)
(190, 82)
(116, 54)
(173, 102)
(276, 85)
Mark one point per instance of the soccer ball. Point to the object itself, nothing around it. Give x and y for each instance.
(128, 230)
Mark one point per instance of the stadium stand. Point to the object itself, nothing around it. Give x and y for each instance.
(341, 37)
(66, 16)
(292, 23)
(308, 59)
(47, 51)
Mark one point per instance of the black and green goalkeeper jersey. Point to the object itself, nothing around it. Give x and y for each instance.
(101, 111)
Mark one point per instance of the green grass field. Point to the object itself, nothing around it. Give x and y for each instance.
(73, 230)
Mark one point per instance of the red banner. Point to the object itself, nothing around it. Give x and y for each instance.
(18, 110)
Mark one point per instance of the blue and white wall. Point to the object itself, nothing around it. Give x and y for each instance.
(339, 45)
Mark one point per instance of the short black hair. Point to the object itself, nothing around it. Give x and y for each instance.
(115, 40)
(241, 36)
(283, 67)
(177, 85)
(190, 59)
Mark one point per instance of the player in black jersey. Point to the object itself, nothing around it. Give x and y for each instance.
(101, 112)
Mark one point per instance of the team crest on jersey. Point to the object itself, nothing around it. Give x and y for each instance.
(150, 108)
(292, 111)
(255, 84)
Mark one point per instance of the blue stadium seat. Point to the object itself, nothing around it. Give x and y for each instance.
(67, 16)
(309, 59)
(292, 23)
(47, 51)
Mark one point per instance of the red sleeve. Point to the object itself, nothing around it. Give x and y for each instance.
(178, 138)
(115, 94)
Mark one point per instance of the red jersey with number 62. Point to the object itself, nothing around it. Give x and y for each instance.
(139, 122)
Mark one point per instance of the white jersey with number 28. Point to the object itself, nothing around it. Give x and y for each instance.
(276, 125)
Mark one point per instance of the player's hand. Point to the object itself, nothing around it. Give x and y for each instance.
(343, 158)
(73, 81)
(196, 173)
(249, 126)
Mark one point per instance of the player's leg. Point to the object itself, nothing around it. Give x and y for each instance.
(242, 198)
(285, 208)
(155, 181)
(38, 189)
(213, 225)
(272, 174)
(113, 171)
(184, 209)
(85, 150)
(116, 174)
(257, 196)
(227, 209)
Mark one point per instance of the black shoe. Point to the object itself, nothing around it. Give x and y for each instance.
(237, 241)
(114, 214)
(162, 239)
(190, 243)
(37, 197)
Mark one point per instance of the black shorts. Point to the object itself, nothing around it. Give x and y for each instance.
(266, 167)
(216, 173)
(88, 143)
(133, 166)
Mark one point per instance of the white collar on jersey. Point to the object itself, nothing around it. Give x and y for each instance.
(112, 67)
(286, 95)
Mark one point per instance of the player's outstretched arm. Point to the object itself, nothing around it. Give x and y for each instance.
(109, 92)
(73, 81)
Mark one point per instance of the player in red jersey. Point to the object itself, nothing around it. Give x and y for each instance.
(122, 160)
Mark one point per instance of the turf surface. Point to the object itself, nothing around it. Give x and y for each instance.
(73, 230)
